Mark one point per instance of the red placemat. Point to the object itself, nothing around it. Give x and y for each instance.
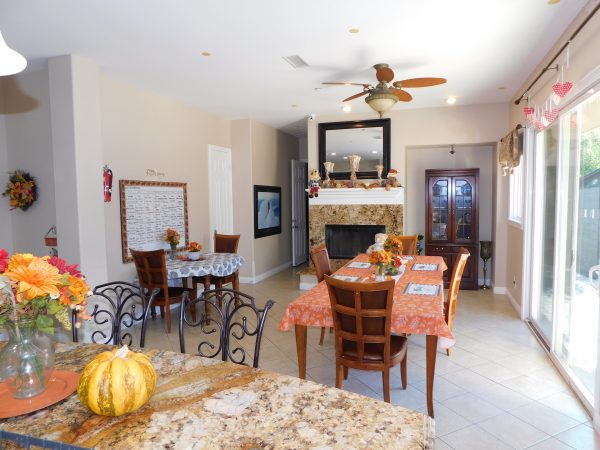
(62, 384)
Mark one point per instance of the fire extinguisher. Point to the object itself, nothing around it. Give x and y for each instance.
(108, 176)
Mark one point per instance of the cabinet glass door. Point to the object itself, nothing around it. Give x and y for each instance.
(463, 209)
(440, 209)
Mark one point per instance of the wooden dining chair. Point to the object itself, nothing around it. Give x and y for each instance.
(457, 272)
(151, 267)
(362, 320)
(320, 259)
(234, 318)
(409, 245)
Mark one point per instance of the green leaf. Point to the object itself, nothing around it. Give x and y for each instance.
(45, 324)
(54, 307)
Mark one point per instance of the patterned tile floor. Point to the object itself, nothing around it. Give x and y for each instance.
(498, 390)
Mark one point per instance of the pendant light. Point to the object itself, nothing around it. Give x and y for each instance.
(11, 62)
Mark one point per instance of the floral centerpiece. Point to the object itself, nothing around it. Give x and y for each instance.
(194, 250)
(394, 267)
(35, 292)
(21, 190)
(393, 244)
(172, 236)
(381, 259)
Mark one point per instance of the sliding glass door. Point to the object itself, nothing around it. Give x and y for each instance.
(566, 241)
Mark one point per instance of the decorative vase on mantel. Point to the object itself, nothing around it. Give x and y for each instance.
(354, 162)
(27, 360)
(328, 169)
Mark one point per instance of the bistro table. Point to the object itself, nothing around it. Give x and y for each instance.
(215, 264)
(206, 403)
(411, 314)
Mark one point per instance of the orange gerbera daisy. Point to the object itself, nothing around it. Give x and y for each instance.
(78, 289)
(20, 259)
(35, 279)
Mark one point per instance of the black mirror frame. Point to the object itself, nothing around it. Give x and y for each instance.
(324, 127)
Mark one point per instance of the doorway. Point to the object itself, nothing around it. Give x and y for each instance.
(299, 213)
(220, 190)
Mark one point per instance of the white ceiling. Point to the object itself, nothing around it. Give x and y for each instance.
(478, 45)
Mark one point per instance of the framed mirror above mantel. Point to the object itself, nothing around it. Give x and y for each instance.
(369, 139)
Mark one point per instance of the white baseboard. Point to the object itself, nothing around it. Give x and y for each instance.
(504, 291)
(265, 275)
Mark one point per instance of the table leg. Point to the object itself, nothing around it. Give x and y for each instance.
(206, 289)
(301, 350)
(431, 355)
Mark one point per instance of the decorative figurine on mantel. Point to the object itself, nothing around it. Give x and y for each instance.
(313, 183)
(327, 183)
(354, 162)
(379, 169)
(391, 182)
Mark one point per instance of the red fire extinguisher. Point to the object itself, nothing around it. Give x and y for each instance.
(108, 176)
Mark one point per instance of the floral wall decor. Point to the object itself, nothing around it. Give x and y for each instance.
(21, 190)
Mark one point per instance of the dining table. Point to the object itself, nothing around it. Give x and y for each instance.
(418, 308)
(215, 264)
(202, 403)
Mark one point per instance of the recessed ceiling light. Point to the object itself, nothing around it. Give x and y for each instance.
(294, 106)
(345, 157)
(451, 100)
(205, 53)
(354, 30)
(346, 108)
(374, 151)
(318, 89)
(333, 154)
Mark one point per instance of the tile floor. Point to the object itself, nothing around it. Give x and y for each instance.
(498, 390)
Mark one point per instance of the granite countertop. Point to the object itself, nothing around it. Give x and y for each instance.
(204, 403)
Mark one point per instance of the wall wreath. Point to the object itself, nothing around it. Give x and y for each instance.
(21, 190)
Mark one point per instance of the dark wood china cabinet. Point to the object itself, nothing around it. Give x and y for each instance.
(452, 219)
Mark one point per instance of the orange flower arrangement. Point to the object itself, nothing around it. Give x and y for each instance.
(43, 288)
(21, 190)
(380, 257)
(393, 244)
(172, 236)
(195, 247)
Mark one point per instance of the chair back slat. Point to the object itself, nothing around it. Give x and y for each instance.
(457, 272)
(151, 267)
(362, 319)
(226, 243)
(409, 245)
(320, 259)
(226, 314)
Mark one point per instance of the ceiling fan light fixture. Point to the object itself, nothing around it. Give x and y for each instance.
(346, 108)
(451, 100)
(11, 62)
(381, 102)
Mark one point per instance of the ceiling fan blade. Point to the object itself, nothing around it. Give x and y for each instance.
(360, 94)
(419, 82)
(384, 74)
(403, 96)
(365, 85)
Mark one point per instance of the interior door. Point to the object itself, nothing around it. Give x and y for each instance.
(299, 210)
(220, 190)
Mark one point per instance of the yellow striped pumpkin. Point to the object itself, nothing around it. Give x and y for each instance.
(117, 382)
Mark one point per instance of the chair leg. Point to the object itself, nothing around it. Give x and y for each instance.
(339, 372)
(162, 311)
(330, 330)
(448, 351)
(403, 372)
(386, 385)
(345, 372)
(322, 336)
(168, 314)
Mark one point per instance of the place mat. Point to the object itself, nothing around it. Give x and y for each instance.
(425, 267)
(62, 384)
(422, 289)
(359, 265)
(346, 277)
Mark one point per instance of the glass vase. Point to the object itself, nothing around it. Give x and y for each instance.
(27, 360)
(380, 272)
(173, 251)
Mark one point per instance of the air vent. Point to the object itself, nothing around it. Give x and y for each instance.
(295, 61)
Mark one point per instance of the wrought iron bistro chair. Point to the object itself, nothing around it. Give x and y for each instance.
(119, 305)
(227, 314)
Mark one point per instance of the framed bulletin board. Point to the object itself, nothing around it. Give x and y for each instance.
(148, 208)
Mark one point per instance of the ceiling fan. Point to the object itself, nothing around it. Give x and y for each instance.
(385, 94)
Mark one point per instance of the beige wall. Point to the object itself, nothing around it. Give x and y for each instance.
(261, 155)
(419, 159)
(473, 124)
(28, 139)
(6, 237)
(143, 130)
(584, 57)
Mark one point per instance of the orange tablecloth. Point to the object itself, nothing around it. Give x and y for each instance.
(415, 314)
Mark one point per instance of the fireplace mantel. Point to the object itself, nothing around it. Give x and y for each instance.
(358, 196)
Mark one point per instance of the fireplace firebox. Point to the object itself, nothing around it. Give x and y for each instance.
(347, 241)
